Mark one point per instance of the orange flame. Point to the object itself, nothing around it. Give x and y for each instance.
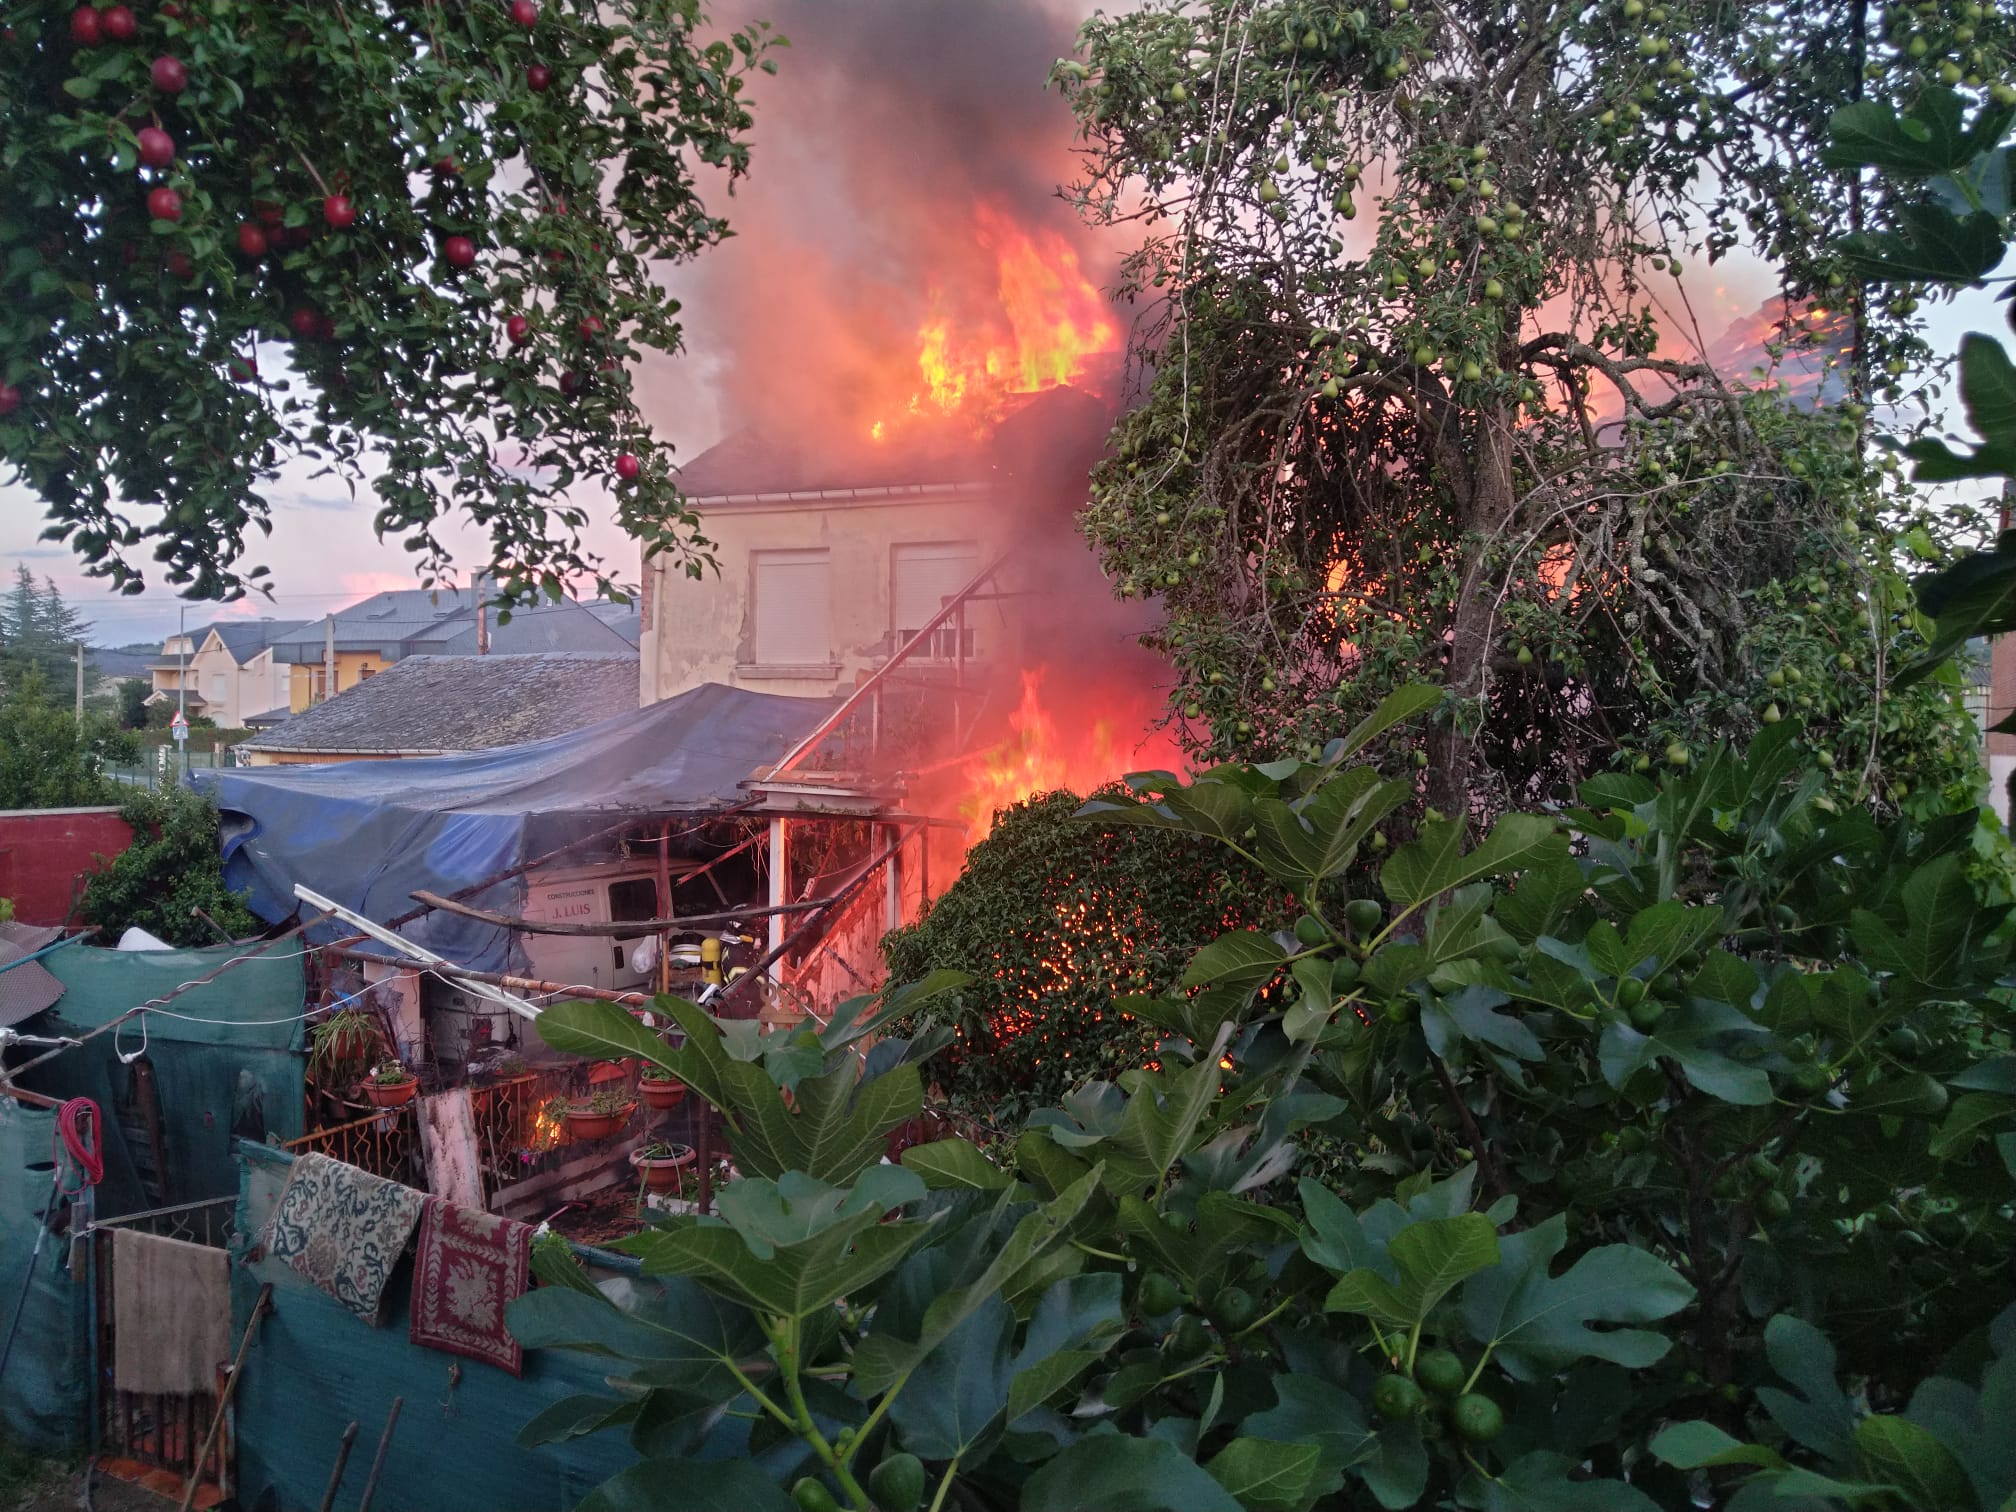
(1047, 323)
(1039, 757)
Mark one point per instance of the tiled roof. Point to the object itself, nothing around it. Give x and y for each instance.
(428, 704)
(546, 627)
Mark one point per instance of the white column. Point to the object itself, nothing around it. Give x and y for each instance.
(893, 876)
(780, 877)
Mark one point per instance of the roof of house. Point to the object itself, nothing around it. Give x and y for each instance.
(434, 704)
(566, 626)
(245, 639)
(753, 462)
(118, 661)
(26, 989)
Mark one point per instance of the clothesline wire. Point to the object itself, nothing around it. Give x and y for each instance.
(154, 1005)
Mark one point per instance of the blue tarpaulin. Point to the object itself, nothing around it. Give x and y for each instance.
(370, 833)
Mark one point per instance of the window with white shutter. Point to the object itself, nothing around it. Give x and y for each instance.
(794, 608)
(922, 576)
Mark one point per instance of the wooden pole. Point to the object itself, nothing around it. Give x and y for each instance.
(336, 1474)
(625, 927)
(378, 1463)
(80, 682)
(259, 1310)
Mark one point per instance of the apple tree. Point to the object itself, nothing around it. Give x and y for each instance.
(408, 240)
(1428, 397)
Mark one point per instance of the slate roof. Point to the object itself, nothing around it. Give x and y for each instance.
(438, 704)
(119, 662)
(245, 639)
(549, 627)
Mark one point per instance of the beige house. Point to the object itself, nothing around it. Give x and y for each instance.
(831, 558)
(228, 669)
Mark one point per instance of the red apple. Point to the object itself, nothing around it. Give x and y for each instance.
(244, 369)
(524, 13)
(517, 330)
(459, 251)
(252, 241)
(164, 204)
(571, 383)
(170, 75)
(180, 265)
(538, 78)
(339, 212)
(10, 398)
(628, 467)
(446, 167)
(157, 148)
(86, 26)
(171, 10)
(118, 24)
(306, 323)
(325, 328)
(293, 236)
(590, 328)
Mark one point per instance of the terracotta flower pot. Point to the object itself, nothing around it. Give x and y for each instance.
(582, 1124)
(662, 1094)
(606, 1071)
(391, 1094)
(661, 1172)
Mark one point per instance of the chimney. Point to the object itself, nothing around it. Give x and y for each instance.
(329, 658)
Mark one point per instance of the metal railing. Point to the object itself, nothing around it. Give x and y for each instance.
(165, 1431)
(385, 1143)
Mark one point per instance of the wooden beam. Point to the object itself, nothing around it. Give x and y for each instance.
(627, 928)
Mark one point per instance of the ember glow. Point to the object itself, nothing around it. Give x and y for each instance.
(1057, 741)
(1041, 327)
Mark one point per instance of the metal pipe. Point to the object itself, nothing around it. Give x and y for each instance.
(778, 951)
(832, 721)
(50, 949)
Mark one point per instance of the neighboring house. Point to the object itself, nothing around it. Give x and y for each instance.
(230, 670)
(363, 640)
(439, 705)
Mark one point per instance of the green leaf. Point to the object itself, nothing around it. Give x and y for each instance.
(681, 1331)
(1696, 1446)
(956, 1163)
(602, 1031)
(1932, 245)
(1244, 958)
(1432, 1258)
(1819, 1418)
(1038, 1383)
(1402, 704)
(1932, 139)
(1908, 1457)
(1266, 1474)
(574, 1417)
(958, 1392)
(1966, 1121)
(1319, 838)
(1436, 862)
(1538, 1323)
(1541, 1482)
(837, 1128)
(1110, 1472)
(690, 1485)
(797, 1279)
(1310, 1410)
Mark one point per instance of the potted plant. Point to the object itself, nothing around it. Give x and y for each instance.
(659, 1088)
(341, 1047)
(391, 1086)
(660, 1163)
(600, 1115)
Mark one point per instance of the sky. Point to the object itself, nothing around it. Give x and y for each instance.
(322, 552)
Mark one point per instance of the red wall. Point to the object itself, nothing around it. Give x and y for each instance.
(43, 853)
